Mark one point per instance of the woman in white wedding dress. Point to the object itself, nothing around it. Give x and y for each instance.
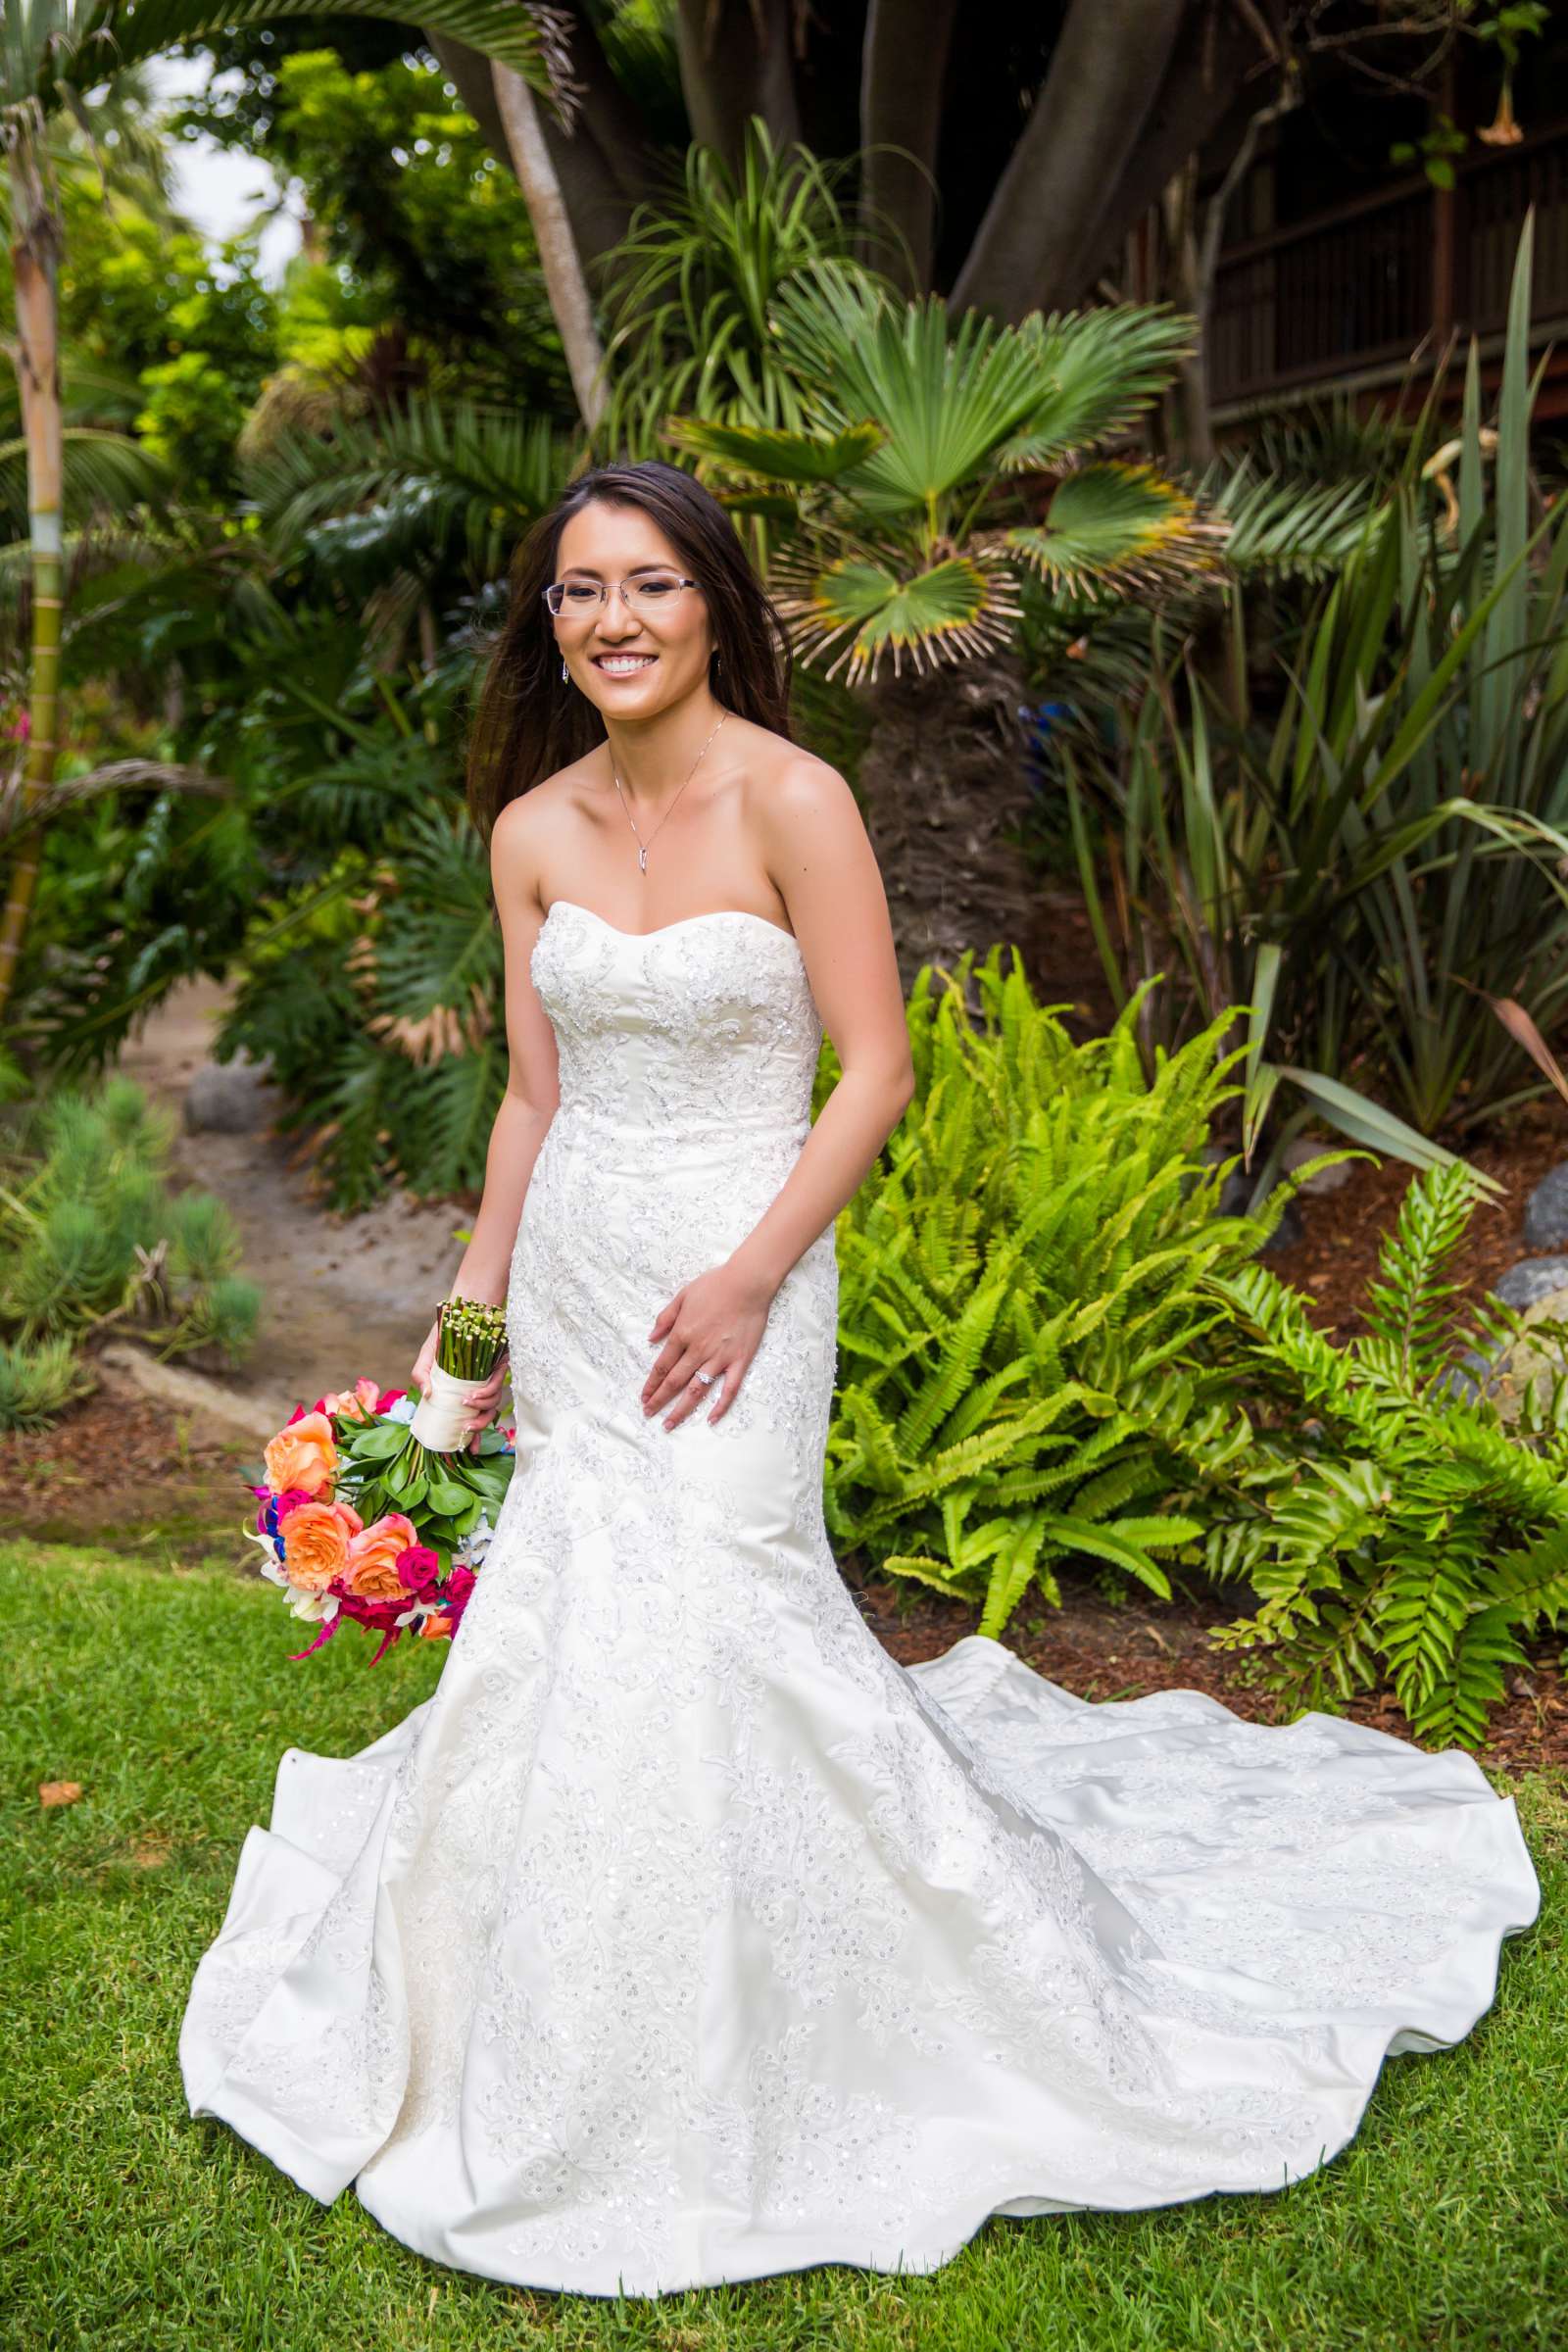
(681, 1935)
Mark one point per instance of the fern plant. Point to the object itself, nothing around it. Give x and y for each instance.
(1026, 1335)
(1391, 1521)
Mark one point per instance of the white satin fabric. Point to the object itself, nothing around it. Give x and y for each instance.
(682, 1935)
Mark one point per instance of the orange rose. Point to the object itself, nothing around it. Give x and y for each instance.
(436, 1626)
(372, 1570)
(316, 1543)
(352, 1404)
(303, 1455)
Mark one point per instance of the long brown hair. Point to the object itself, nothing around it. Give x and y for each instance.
(529, 722)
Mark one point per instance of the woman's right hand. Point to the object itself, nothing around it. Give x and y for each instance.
(425, 1359)
(485, 1402)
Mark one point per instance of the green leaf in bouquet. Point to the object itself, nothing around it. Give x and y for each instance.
(399, 1476)
(491, 1484)
(380, 1442)
(448, 1495)
(416, 1491)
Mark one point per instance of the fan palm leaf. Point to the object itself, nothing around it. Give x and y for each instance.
(913, 549)
(58, 48)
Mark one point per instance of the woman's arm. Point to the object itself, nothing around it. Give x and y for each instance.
(826, 873)
(532, 1078)
(825, 870)
(532, 1086)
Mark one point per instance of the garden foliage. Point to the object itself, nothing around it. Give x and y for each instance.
(90, 1239)
(1392, 1521)
(1026, 1338)
(1360, 833)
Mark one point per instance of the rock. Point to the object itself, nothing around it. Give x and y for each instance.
(1531, 1280)
(1327, 1180)
(251, 1412)
(1530, 1368)
(1470, 1380)
(232, 1097)
(1237, 1190)
(1546, 1216)
(1287, 1233)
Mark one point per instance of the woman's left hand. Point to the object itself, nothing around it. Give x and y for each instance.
(713, 1324)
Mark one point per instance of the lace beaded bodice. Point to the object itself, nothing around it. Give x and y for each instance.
(703, 1025)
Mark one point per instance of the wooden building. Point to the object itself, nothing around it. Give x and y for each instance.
(1340, 269)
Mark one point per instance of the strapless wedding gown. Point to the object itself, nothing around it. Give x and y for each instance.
(682, 1935)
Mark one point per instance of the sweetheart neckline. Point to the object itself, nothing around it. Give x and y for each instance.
(714, 914)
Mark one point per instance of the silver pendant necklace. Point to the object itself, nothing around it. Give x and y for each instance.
(643, 846)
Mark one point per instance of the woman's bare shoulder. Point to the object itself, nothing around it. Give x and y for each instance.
(788, 786)
(529, 823)
(779, 770)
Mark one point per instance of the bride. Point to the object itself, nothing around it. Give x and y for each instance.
(681, 1935)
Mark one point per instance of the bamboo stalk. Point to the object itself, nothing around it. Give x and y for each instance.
(34, 262)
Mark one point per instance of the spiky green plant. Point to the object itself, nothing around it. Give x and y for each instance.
(905, 533)
(1389, 1521)
(37, 1382)
(90, 1239)
(1382, 840)
(693, 285)
(1028, 1374)
(949, 461)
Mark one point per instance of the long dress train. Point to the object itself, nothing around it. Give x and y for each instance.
(682, 1935)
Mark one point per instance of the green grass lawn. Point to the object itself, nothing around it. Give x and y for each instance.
(126, 2224)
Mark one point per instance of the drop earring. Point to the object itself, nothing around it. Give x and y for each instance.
(564, 671)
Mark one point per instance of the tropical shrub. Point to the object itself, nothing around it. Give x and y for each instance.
(90, 1239)
(692, 289)
(1028, 1322)
(1361, 833)
(949, 461)
(1390, 1519)
(376, 1000)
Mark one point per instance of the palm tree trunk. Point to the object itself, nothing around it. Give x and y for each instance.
(34, 263)
(558, 257)
(945, 790)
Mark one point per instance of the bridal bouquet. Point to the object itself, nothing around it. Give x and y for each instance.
(373, 1511)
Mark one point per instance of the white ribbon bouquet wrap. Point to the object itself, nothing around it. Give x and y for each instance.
(470, 1339)
(440, 1420)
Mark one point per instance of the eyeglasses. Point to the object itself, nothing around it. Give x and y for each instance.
(649, 591)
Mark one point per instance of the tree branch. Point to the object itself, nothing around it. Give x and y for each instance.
(904, 65)
(1031, 248)
(735, 62)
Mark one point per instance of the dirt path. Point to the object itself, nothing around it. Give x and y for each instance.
(341, 1296)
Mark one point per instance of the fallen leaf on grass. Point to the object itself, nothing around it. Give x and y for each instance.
(59, 1793)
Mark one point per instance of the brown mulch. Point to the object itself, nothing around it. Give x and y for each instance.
(122, 1471)
(1102, 1649)
(1344, 1230)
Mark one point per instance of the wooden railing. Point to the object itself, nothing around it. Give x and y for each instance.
(1358, 288)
